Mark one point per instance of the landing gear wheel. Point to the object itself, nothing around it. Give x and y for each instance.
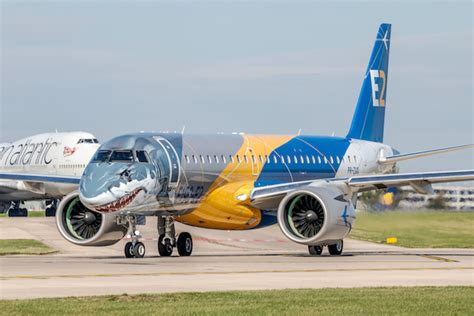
(50, 211)
(128, 250)
(315, 250)
(336, 249)
(165, 250)
(185, 244)
(139, 250)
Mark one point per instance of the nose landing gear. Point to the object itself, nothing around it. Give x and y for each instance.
(134, 248)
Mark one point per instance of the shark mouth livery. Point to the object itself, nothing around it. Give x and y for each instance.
(306, 184)
(120, 203)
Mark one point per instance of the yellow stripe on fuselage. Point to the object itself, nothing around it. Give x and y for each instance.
(226, 204)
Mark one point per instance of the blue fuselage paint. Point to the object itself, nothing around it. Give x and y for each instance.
(304, 158)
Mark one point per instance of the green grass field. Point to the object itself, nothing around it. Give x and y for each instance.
(23, 247)
(364, 301)
(424, 229)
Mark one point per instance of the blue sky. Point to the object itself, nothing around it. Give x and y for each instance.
(257, 67)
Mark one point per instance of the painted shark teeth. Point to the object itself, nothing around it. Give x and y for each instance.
(120, 203)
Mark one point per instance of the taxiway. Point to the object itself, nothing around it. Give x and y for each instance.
(221, 260)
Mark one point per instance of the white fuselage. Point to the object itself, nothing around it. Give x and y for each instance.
(59, 154)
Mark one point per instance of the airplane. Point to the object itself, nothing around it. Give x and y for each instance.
(40, 156)
(308, 185)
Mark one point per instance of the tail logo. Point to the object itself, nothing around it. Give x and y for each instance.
(377, 80)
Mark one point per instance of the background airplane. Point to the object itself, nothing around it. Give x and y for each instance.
(37, 157)
(306, 184)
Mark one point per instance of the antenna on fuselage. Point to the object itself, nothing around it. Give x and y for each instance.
(183, 129)
(299, 132)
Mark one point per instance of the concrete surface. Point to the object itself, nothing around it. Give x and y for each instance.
(221, 260)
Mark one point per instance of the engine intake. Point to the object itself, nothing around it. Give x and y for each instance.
(316, 215)
(82, 226)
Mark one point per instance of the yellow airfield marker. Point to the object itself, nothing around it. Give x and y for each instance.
(392, 240)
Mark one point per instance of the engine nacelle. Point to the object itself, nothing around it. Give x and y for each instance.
(316, 215)
(82, 226)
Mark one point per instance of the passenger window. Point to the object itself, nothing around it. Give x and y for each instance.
(301, 159)
(313, 159)
(275, 159)
(307, 159)
(216, 159)
(223, 159)
(319, 159)
(332, 160)
(246, 159)
(231, 158)
(202, 159)
(337, 159)
(325, 160)
(195, 159)
(253, 159)
(238, 159)
(355, 158)
(288, 159)
(295, 159)
(209, 159)
(348, 158)
(260, 157)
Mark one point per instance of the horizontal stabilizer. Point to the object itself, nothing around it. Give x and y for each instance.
(419, 154)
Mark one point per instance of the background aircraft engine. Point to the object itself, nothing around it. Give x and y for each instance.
(82, 226)
(315, 215)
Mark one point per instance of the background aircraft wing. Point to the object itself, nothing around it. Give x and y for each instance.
(10, 182)
(39, 178)
(268, 197)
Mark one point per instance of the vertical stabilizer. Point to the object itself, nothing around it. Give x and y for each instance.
(369, 116)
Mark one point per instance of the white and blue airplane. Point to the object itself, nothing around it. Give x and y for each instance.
(307, 184)
(58, 155)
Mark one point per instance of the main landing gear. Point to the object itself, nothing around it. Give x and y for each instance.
(16, 210)
(334, 249)
(167, 240)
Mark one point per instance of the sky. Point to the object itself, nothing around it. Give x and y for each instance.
(256, 67)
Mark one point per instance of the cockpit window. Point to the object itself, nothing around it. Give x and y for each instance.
(122, 155)
(141, 156)
(101, 156)
(88, 141)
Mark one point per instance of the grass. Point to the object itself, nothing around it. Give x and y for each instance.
(23, 247)
(423, 229)
(362, 301)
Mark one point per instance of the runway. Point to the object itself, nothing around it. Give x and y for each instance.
(222, 260)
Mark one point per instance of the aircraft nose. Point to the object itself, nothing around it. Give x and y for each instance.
(97, 184)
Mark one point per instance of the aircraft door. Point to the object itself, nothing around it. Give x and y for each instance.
(173, 161)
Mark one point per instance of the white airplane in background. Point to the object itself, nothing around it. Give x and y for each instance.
(33, 159)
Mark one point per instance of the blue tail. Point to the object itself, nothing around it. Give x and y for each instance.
(369, 116)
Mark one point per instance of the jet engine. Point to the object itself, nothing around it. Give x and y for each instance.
(316, 215)
(82, 226)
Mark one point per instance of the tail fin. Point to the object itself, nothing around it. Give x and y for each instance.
(369, 116)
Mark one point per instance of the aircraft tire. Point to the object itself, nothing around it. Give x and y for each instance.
(50, 212)
(164, 250)
(315, 250)
(128, 250)
(336, 249)
(185, 244)
(139, 250)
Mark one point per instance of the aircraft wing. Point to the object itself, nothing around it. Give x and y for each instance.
(34, 183)
(268, 197)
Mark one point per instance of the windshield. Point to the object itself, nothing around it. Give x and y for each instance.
(101, 156)
(122, 155)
